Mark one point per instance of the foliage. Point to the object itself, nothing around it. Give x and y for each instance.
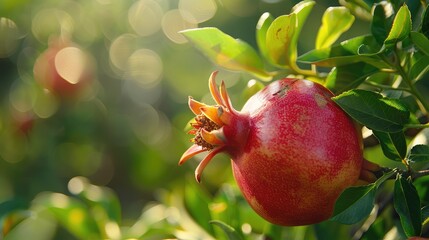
(114, 137)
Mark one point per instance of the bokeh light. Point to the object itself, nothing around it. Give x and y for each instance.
(173, 22)
(52, 21)
(121, 49)
(71, 63)
(197, 11)
(145, 67)
(145, 17)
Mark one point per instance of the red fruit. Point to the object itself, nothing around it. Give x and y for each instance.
(64, 69)
(293, 149)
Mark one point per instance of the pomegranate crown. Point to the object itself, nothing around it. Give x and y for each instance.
(208, 125)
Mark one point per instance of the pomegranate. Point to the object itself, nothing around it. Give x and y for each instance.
(64, 69)
(293, 149)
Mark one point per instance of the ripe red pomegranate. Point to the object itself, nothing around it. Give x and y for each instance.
(64, 69)
(293, 149)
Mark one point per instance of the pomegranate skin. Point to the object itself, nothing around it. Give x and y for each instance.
(302, 151)
(293, 150)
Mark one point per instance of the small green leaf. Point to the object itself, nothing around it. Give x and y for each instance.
(420, 68)
(382, 21)
(354, 204)
(419, 153)
(261, 32)
(230, 53)
(335, 21)
(401, 26)
(345, 53)
(229, 231)
(302, 10)
(407, 204)
(282, 35)
(279, 39)
(71, 213)
(373, 110)
(425, 22)
(346, 77)
(421, 42)
(197, 202)
(9, 206)
(106, 200)
(393, 145)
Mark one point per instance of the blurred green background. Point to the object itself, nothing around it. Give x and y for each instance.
(125, 129)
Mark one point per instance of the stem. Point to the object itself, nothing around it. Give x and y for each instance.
(419, 174)
(382, 86)
(413, 174)
(312, 72)
(417, 125)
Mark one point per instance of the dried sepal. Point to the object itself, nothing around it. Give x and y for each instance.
(202, 165)
(213, 89)
(190, 152)
(195, 106)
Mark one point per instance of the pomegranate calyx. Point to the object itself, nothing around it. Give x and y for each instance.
(215, 128)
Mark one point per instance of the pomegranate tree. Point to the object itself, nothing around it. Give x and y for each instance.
(293, 149)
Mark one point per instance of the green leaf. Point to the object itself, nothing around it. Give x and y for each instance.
(420, 68)
(9, 206)
(230, 53)
(419, 153)
(421, 42)
(407, 204)
(38, 226)
(425, 22)
(401, 26)
(345, 53)
(346, 77)
(335, 21)
(197, 202)
(105, 200)
(393, 145)
(382, 21)
(71, 213)
(261, 32)
(302, 10)
(279, 39)
(282, 35)
(373, 110)
(229, 231)
(356, 203)
(359, 8)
